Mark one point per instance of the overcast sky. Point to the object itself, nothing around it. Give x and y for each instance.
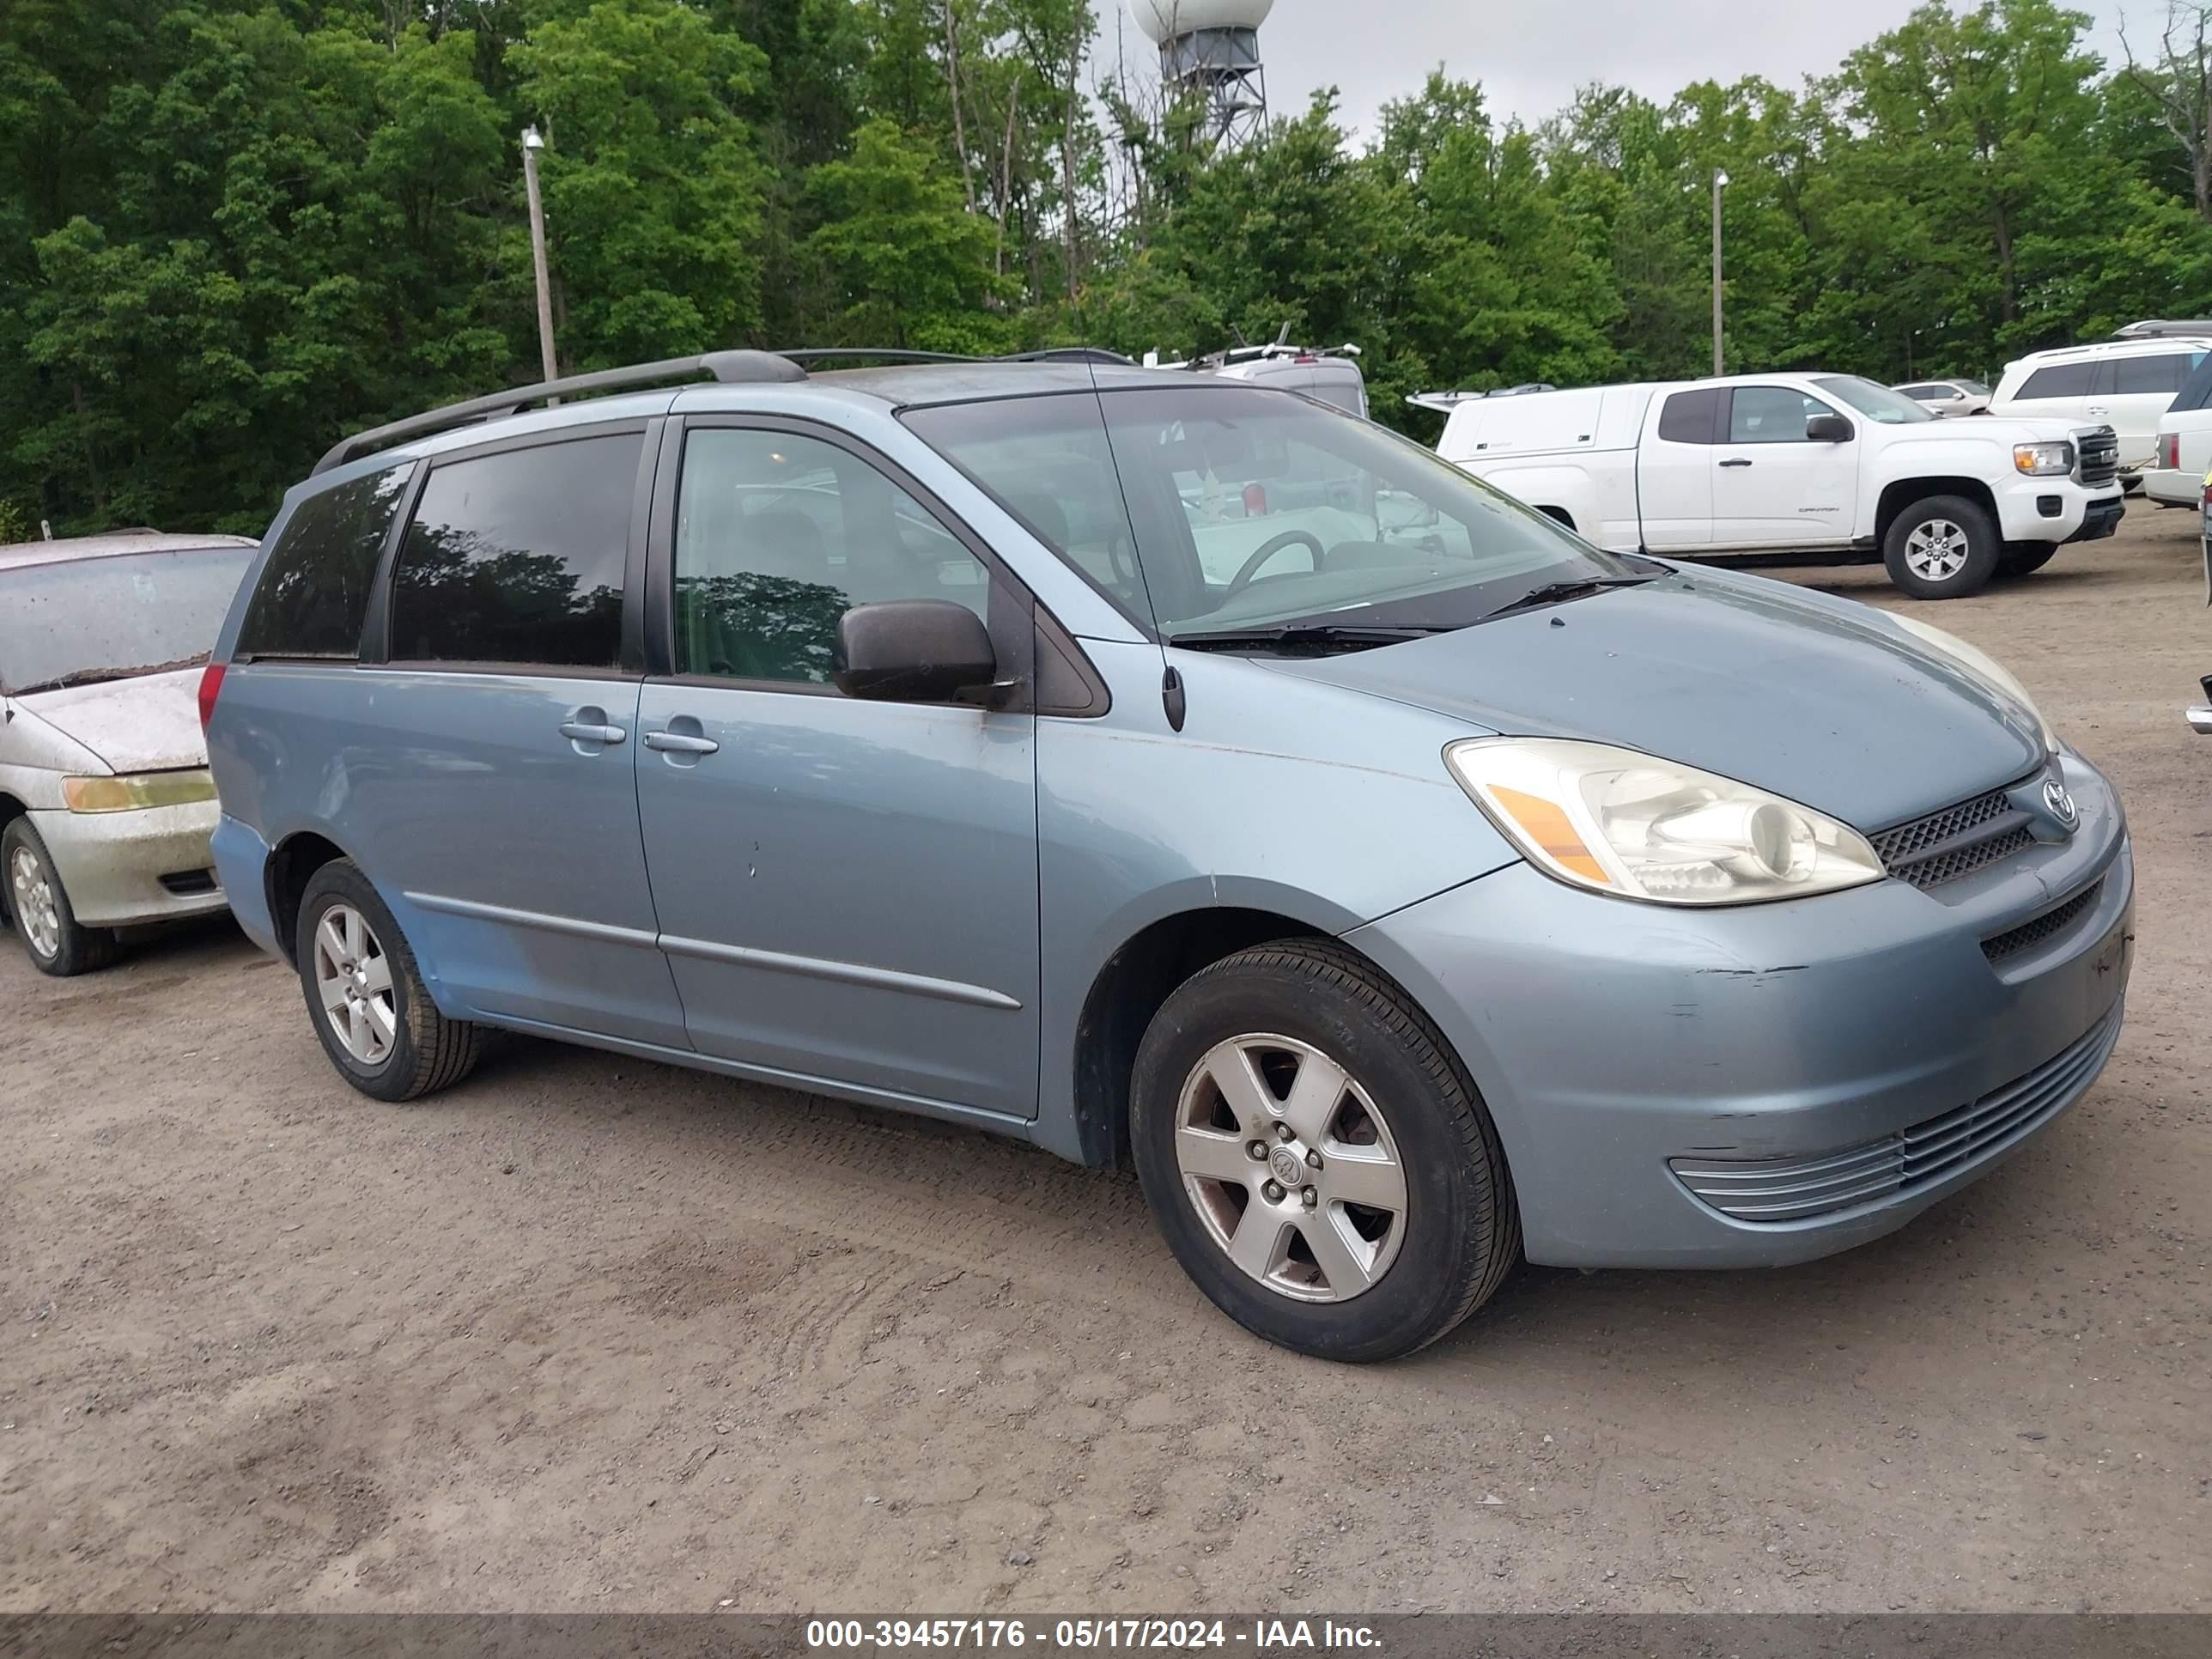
(1530, 54)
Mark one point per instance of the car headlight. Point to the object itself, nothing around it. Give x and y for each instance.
(1638, 827)
(1976, 662)
(127, 794)
(2043, 461)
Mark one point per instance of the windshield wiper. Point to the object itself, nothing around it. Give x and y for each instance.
(1560, 593)
(102, 676)
(1320, 636)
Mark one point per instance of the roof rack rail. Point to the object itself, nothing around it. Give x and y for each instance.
(730, 368)
(900, 354)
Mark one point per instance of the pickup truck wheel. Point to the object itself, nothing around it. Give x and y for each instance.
(2026, 561)
(1943, 548)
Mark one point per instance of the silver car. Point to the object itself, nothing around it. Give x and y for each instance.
(105, 803)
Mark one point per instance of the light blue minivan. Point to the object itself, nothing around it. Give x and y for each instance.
(1173, 773)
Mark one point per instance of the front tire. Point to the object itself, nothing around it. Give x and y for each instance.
(1316, 1156)
(366, 997)
(1943, 548)
(52, 936)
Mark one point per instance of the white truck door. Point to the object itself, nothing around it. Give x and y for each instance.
(1674, 470)
(1773, 486)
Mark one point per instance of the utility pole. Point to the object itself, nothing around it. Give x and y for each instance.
(1720, 184)
(532, 144)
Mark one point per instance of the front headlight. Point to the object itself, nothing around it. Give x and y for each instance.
(1978, 663)
(1639, 827)
(127, 794)
(2043, 461)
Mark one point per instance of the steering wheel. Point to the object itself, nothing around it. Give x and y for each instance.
(1253, 566)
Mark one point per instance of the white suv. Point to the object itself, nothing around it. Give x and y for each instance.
(2124, 383)
(2184, 458)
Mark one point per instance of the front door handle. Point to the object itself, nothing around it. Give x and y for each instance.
(1739, 461)
(680, 743)
(586, 731)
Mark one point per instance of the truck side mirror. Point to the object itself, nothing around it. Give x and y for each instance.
(1828, 430)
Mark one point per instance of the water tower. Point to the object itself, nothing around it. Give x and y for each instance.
(1210, 54)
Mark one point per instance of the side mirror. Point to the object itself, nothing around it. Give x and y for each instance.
(1828, 430)
(912, 651)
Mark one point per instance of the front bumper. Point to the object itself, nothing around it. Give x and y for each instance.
(2082, 515)
(1614, 1041)
(111, 863)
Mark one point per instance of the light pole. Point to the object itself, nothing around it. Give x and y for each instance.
(1720, 184)
(532, 144)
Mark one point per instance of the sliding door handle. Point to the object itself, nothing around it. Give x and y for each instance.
(679, 743)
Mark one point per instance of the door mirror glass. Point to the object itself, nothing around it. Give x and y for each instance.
(912, 651)
(1828, 430)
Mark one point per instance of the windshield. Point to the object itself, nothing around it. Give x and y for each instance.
(1223, 507)
(85, 620)
(1876, 403)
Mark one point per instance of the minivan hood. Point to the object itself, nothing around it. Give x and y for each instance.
(1820, 700)
(149, 724)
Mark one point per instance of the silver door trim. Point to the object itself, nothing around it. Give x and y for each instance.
(847, 973)
(572, 925)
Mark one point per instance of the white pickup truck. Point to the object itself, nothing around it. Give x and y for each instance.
(1791, 465)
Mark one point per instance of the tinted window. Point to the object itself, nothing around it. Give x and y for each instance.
(315, 589)
(1924, 393)
(777, 536)
(1690, 417)
(2151, 374)
(1232, 507)
(1770, 415)
(2196, 389)
(88, 620)
(2059, 380)
(519, 557)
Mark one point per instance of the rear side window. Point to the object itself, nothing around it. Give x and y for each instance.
(519, 557)
(315, 588)
(1925, 392)
(2059, 380)
(1690, 417)
(2151, 374)
(2196, 389)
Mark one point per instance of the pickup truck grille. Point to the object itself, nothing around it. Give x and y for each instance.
(2097, 453)
(1955, 842)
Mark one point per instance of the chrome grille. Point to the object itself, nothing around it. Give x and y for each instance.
(1773, 1191)
(2097, 456)
(1955, 842)
(2048, 926)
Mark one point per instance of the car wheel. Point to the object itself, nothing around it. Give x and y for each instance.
(366, 997)
(40, 907)
(1943, 548)
(2026, 561)
(1316, 1156)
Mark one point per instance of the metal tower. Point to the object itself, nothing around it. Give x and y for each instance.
(1210, 54)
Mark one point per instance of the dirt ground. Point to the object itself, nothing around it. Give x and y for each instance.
(591, 1334)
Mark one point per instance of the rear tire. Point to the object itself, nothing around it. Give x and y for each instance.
(1350, 1094)
(2026, 561)
(1942, 548)
(366, 998)
(38, 905)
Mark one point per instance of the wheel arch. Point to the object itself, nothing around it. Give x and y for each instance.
(1899, 497)
(10, 810)
(292, 864)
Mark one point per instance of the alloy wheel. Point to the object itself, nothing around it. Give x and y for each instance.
(353, 979)
(36, 912)
(1291, 1168)
(1936, 550)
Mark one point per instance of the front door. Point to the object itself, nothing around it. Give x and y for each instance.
(848, 890)
(1773, 486)
(494, 786)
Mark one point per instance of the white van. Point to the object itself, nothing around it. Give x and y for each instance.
(1329, 374)
(2126, 385)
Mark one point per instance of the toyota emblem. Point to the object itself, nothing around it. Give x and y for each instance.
(2061, 803)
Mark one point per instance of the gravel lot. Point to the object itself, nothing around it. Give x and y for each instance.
(591, 1334)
